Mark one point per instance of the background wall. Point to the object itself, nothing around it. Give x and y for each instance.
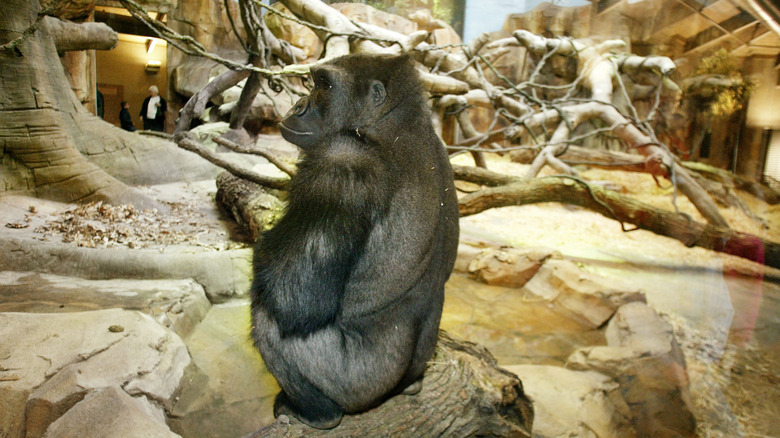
(124, 70)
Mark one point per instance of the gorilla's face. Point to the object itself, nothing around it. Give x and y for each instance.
(302, 126)
(338, 103)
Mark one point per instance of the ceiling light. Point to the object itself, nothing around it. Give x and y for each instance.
(153, 65)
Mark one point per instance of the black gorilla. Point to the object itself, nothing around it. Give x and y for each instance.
(348, 286)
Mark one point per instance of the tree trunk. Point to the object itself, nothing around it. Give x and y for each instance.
(197, 103)
(464, 394)
(43, 126)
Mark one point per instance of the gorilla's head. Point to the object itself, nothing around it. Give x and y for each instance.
(342, 102)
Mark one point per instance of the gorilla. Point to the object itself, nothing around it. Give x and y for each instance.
(348, 287)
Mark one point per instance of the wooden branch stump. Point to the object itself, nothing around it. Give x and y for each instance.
(464, 394)
(81, 36)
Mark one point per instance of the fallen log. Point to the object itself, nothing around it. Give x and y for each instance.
(248, 204)
(254, 208)
(464, 394)
(570, 190)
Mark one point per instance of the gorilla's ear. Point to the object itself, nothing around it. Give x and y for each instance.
(378, 93)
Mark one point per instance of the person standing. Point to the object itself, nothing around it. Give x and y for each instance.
(153, 110)
(125, 120)
(99, 104)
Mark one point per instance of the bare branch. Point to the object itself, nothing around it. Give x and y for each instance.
(244, 150)
(249, 175)
(625, 210)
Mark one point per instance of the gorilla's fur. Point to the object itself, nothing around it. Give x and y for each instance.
(349, 285)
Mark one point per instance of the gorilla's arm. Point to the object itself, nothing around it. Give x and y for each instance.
(304, 262)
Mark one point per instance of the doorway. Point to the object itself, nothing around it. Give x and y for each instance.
(126, 72)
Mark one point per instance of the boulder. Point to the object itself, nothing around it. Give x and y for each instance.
(49, 362)
(269, 106)
(508, 266)
(515, 329)
(237, 396)
(223, 274)
(177, 304)
(296, 34)
(110, 412)
(466, 253)
(192, 75)
(643, 356)
(572, 403)
(590, 298)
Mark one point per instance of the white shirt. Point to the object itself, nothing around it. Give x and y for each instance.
(151, 109)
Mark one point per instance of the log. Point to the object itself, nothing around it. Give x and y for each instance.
(613, 160)
(622, 208)
(464, 394)
(248, 174)
(253, 207)
(720, 184)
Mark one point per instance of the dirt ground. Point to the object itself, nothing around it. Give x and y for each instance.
(725, 310)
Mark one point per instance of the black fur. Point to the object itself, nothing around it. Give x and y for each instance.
(349, 285)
